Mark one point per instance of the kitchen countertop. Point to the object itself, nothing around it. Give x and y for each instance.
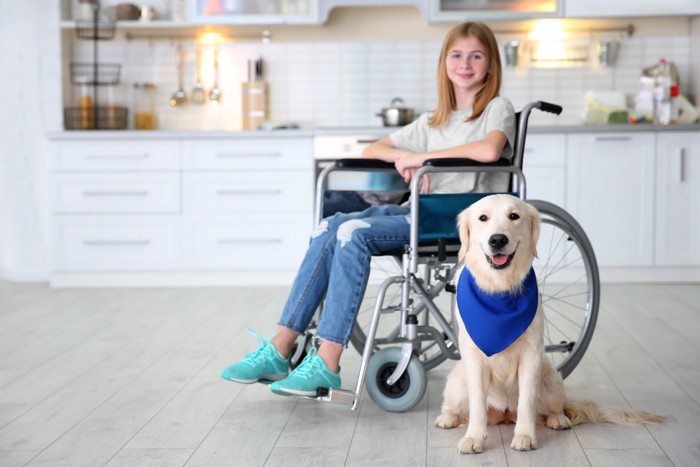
(319, 131)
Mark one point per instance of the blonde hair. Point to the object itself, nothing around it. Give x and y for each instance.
(492, 84)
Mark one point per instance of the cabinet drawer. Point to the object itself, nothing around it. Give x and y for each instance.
(230, 242)
(248, 192)
(116, 244)
(248, 154)
(117, 155)
(116, 193)
(545, 150)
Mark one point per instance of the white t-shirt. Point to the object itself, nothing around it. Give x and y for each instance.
(419, 137)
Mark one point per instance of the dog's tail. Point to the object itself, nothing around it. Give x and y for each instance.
(588, 412)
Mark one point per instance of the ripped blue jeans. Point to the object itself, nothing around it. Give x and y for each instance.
(337, 265)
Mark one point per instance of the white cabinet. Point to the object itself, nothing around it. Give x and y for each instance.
(631, 8)
(470, 10)
(610, 191)
(544, 166)
(115, 205)
(181, 206)
(247, 205)
(678, 199)
(254, 12)
(326, 6)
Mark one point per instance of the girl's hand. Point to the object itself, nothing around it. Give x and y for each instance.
(423, 184)
(407, 161)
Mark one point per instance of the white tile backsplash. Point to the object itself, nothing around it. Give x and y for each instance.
(347, 83)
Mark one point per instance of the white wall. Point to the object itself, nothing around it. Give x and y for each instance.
(29, 50)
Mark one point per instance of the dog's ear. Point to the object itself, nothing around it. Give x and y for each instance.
(534, 228)
(463, 228)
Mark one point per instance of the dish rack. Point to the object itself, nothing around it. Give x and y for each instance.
(87, 113)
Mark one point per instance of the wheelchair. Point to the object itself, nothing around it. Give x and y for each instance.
(417, 284)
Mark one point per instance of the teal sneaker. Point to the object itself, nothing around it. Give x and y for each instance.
(310, 375)
(265, 363)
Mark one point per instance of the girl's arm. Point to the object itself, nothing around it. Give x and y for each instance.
(487, 150)
(384, 149)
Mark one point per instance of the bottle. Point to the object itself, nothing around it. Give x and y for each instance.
(84, 118)
(662, 93)
(144, 106)
(254, 96)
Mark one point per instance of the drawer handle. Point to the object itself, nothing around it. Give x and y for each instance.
(367, 141)
(116, 156)
(613, 138)
(116, 193)
(116, 242)
(248, 192)
(240, 154)
(246, 241)
(681, 164)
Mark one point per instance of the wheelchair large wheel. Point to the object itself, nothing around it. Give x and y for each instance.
(403, 395)
(428, 351)
(569, 284)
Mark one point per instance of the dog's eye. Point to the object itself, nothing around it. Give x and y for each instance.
(514, 216)
(483, 218)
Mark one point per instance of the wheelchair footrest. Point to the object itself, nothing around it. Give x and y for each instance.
(336, 396)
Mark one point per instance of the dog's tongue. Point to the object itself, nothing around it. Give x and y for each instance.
(499, 260)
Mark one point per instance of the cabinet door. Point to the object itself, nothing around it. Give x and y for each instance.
(250, 12)
(468, 10)
(611, 193)
(603, 8)
(678, 199)
(544, 166)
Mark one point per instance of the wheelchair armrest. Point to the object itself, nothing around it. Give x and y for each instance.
(363, 164)
(451, 162)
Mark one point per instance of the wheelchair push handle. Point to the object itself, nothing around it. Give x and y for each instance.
(549, 107)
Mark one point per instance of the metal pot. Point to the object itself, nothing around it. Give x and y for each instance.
(396, 114)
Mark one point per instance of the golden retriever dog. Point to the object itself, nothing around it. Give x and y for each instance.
(516, 383)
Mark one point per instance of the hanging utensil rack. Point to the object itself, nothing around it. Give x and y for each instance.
(88, 114)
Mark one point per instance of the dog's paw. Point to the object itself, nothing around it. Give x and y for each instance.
(558, 422)
(468, 445)
(447, 420)
(523, 443)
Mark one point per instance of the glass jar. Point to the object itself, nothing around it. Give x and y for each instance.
(144, 106)
(82, 116)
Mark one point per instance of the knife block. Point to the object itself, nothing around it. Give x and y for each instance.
(254, 97)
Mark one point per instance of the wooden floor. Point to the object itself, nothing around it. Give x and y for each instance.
(131, 378)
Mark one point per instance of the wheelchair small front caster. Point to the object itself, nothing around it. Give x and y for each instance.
(406, 393)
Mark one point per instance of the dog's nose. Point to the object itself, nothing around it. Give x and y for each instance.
(498, 241)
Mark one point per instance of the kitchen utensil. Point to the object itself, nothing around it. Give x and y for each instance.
(179, 97)
(198, 94)
(511, 51)
(607, 52)
(215, 92)
(396, 114)
(122, 12)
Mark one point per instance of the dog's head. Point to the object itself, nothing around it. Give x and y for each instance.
(499, 236)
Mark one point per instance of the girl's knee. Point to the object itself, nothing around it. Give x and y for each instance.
(348, 228)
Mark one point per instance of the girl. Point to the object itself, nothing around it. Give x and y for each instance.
(470, 121)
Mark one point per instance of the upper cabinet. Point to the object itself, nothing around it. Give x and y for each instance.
(258, 12)
(326, 6)
(629, 8)
(476, 10)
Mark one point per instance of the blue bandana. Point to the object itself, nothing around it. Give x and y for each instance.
(494, 321)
